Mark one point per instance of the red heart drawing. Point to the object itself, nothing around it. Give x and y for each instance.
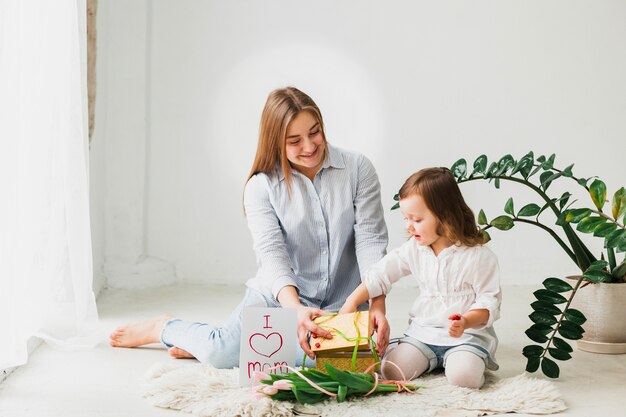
(263, 344)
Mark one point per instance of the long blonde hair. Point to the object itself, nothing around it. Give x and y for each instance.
(280, 109)
(443, 198)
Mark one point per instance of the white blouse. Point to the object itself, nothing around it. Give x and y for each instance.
(459, 279)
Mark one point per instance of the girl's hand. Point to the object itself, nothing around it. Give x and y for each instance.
(379, 323)
(457, 325)
(306, 325)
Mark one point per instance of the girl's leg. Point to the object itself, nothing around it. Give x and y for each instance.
(465, 369)
(218, 346)
(408, 359)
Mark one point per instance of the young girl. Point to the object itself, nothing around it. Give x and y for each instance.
(451, 322)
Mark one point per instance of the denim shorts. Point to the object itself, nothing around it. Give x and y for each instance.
(437, 355)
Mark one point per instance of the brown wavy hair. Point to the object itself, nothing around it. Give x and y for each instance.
(443, 198)
(281, 107)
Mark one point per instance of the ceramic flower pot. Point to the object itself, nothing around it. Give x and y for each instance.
(604, 305)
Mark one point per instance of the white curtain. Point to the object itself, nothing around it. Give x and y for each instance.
(45, 241)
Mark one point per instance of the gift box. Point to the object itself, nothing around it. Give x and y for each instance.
(348, 330)
(345, 328)
(343, 361)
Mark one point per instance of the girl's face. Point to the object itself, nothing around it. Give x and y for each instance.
(422, 224)
(305, 144)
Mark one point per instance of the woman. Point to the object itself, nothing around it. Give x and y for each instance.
(317, 224)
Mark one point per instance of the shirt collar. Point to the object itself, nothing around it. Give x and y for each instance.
(333, 159)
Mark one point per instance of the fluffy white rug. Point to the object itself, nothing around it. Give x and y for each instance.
(205, 391)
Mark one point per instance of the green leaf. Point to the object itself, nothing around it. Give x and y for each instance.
(549, 164)
(619, 272)
(532, 364)
(597, 275)
(563, 199)
(557, 285)
(529, 210)
(536, 336)
(482, 218)
(597, 265)
(562, 344)
(613, 238)
(583, 181)
(502, 222)
(342, 390)
(396, 206)
(396, 197)
(618, 207)
(559, 354)
(549, 296)
(567, 172)
(524, 165)
(572, 326)
(549, 368)
(459, 169)
(546, 307)
(486, 236)
(496, 183)
(569, 333)
(508, 207)
(604, 229)
(547, 177)
(597, 190)
(589, 224)
(504, 164)
(480, 164)
(532, 351)
(346, 378)
(492, 168)
(576, 215)
(575, 316)
(541, 317)
(541, 328)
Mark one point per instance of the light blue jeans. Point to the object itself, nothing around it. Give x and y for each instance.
(218, 346)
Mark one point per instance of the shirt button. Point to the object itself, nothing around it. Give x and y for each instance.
(324, 252)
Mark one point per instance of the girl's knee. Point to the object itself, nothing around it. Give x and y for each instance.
(465, 369)
(466, 379)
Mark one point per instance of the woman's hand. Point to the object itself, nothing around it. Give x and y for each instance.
(379, 323)
(306, 325)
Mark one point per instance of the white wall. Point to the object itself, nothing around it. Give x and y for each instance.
(410, 84)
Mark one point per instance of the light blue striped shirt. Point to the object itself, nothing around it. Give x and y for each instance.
(322, 238)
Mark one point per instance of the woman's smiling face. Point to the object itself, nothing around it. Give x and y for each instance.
(305, 144)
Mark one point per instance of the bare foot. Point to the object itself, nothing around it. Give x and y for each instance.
(140, 333)
(178, 353)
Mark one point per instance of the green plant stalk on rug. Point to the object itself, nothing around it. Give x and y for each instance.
(550, 320)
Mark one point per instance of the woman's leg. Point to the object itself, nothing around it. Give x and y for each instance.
(404, 361)
(140, 333)
(465, 369)
(218, 346)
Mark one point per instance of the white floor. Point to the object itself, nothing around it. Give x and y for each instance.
(105, 381)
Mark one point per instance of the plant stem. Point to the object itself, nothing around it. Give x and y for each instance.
(553, 234)
(584, 257)
(609, 218)
(558, 324)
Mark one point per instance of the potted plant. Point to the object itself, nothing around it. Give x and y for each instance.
(554, 318)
